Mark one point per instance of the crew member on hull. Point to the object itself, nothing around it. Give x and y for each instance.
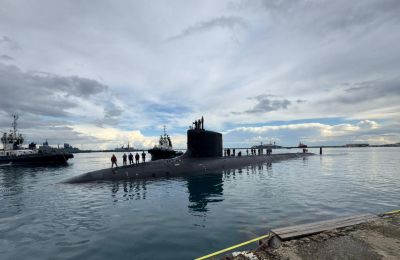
(130, 156)
(137, 158)
(124, 159)
(143, 156)
(113, 161)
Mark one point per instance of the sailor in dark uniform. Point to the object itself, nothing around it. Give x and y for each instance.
(137, 158)
(113, 161)
(130, 157)
(143, 156)
(124, 159)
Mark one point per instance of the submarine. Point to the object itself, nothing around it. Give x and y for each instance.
(203, 155)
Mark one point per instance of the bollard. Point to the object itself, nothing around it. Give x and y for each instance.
(320, 150)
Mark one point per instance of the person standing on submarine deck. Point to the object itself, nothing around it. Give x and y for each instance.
(124, 159)
(113, 161)
(130, 156)
(137, 158)
(199, 124)
(143, 157)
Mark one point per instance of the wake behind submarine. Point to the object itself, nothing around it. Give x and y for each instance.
(203, 155)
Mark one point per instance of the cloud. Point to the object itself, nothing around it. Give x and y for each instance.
(42, 93)
(230, 22)
(370, 14)
(375, 98)
(119, 71)
(111, 137)
(313, 134)
(49, 104)
(6, 57)
(9, 43)
(265, 104)
(56, 131)
(370, 90)
(368, 124)
(112, 114)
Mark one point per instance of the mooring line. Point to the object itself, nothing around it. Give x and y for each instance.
(392, 212)
(233, 247)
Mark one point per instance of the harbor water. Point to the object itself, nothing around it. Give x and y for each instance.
(184, 218)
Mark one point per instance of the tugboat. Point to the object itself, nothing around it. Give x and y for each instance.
(164, 149)
(302, 145)
(13, 153)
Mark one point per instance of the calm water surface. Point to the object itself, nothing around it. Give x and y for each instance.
(184, 218)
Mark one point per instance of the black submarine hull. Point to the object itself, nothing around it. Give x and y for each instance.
(181, 166)
(203, 155)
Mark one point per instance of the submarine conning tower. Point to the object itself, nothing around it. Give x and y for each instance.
(203, 143)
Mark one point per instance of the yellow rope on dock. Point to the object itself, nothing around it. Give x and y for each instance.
(392, 212)
(262, 237)
(233, 247)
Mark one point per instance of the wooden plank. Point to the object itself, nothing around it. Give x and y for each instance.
(323, 223)
(319, 229)
(320, 226)
(327, 222)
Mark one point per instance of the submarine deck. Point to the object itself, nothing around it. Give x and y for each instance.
(180, 166)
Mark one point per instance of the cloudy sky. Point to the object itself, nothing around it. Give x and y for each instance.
(98, 74)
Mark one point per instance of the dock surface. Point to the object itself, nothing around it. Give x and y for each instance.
(291, 232)
(357, 237)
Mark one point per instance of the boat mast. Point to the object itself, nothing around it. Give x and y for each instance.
(14, 125)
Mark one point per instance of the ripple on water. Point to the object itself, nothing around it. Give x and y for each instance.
(183, 218)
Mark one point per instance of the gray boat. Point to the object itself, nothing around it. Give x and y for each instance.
(14, 154)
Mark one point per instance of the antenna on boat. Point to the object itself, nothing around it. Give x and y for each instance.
(14, 124)
(165, 131)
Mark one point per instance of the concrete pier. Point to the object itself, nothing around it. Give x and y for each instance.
(371, 237)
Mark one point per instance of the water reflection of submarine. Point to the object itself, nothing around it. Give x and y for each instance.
(204, 190)
(203, 155)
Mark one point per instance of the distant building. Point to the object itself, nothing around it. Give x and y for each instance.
(356, 145)
(266, 146)
(124, 148)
